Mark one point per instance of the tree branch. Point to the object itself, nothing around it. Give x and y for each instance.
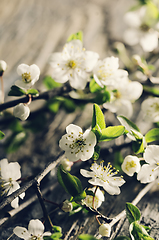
(38, 179)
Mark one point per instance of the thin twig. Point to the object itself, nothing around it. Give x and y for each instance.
(40, 197)
(44, 95)
(38, 179)
(140, 195)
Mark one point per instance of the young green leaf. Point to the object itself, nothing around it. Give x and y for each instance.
(132, 212)
(86, 237)
(138, 232)
(138, 146)
(70, 183)
(16, 91)
(33, 92)
(152, 135)
(94, 87)
(98, 117)
(129, 125)
(57, 229)
(111, 133)
(122, 238)
(75, 36)
(50, 83)
(1, 135)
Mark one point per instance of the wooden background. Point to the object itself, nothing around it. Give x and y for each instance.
(30, 30)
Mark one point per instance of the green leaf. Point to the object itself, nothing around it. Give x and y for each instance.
(86, 237)
(57, 229)
(102, 97)
(53, 105)
(70, 183)
(69, 105)
(74, 36)
(129, 125)
(152, 135)
(33, 92)
(139, 232)
(15, 141)
(132, 212)
(122, 238)
(98, 117)
(1, 135)
(50, 83)
(138, 146)
(94, 87)
(152, 90)
(16, 126)
(16, 91)
(111, 133)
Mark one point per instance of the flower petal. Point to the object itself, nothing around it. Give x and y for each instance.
(35, 227)
(22, 232)
(147, 173)
(86, 173)
(15, 203)
(22, 68)
(151, 154)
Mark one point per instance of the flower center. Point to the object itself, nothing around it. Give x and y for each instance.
(26, 77)
(130, 165)
(35, 238)
(117, 94)
(144, 27)
(72, 64)
(103, 74)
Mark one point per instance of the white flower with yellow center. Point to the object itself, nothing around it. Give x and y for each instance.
(130, 165)
(76, 144)
(73, 64)
(140, 30)
(35, 231)
(96, 201)
(150, 108)
(104, 177)
(29, 75)
(150, 171)
(123, 96)
(9, 174)
(106, 72)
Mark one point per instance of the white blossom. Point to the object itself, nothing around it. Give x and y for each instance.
(35, 231)
(130, 165)
(95, 201)
(21, 111)
(67, 206)
(104, 177)
(29, 75)
(3, 67)
(123, 96)
(9, 174)
(150, 108)
(105, 230)
(106, 72)
(76, 144)
(150, 171)
(139, 30)
(73, 64)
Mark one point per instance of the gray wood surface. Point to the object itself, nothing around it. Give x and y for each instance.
(30, 30)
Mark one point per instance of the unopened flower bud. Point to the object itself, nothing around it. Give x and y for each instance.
(95, 201)
(67, 206)
(66, 164)
(105, 230)
(21, 111)
(3, 67)
(136, 59)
